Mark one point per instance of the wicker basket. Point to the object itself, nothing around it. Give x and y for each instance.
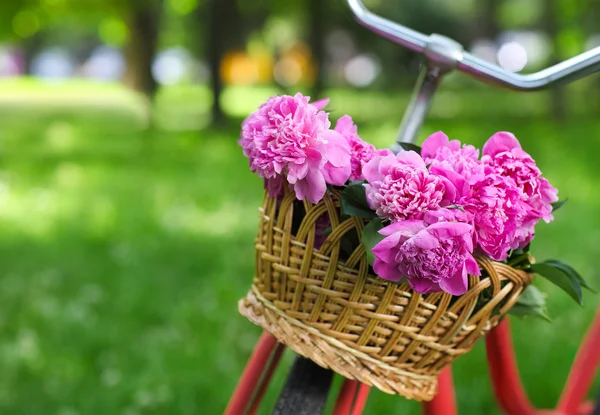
(324, 304)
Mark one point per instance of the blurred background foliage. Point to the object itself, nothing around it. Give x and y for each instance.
(128, 212)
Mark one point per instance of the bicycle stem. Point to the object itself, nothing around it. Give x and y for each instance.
(442, 55)
(429, 79)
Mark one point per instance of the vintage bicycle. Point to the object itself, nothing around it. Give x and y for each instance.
(307, 385)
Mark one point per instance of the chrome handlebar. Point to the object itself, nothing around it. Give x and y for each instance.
(444, 54)
(563, 72)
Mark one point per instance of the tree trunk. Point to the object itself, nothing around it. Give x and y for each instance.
(215, 55)
(144, 25)
(487, 23)
(224, 32)
(31, 46)
(316, 13)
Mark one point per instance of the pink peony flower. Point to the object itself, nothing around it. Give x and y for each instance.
(290, 138)
(360, 152)
(503, 152)
(497, 211)
(437, 150)
(433, 257)
(321, 104)
(400, 187)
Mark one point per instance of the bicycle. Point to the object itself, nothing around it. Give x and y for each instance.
(307, 385)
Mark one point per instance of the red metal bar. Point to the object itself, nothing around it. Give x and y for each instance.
(586, 408)
(361, 399)
(444, 403)
(345, 400)
(504, 373)
(582, 372)
(266, 378)
(247, 385)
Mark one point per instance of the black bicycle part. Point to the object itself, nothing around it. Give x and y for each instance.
(305, 390)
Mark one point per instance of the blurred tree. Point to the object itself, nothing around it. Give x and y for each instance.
(317, 10)
(143, 19)
(551, 26)
(30, 22)
(222, 21)
(487, 23)
(564, 22)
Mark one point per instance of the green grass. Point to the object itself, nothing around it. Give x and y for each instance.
(124, 254)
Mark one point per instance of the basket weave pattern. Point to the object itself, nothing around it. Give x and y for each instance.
(327, 307)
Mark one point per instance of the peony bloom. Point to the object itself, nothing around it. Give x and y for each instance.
(439, 151)
(433, 257)
(400, 187)
(504, 154)
(289, 138)
(497, 211)
(360, 152)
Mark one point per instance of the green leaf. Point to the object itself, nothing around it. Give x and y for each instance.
(532, 311)
(532, 297)
(559, 278)
(569, 270)
(371, 237)
(410, 147)
(559, 204)
(531, 302)
(354, 201)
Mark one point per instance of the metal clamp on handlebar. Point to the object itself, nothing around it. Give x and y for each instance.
(444, 54)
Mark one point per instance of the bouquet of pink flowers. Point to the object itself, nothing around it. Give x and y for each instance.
(429, 211)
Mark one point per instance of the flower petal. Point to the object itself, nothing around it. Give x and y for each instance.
(312, 187)
(458, 284)
(411, 227)
(499, 143)
(370, 170)
(337, 148)
(385, 163)
(444, 230)
(432, 143)
(383, 152)
(455, 184)
(337, 176)
(387, 271)
(423, 285)
(410, 158)
(322, 103)
(345, 126)
(426, 241)
(472, 267)
(385, 250)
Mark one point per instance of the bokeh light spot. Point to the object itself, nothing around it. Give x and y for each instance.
(287, 71)
(26, 24)
(361, 70)
(512, 56)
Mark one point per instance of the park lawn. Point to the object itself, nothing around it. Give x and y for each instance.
(124, 254)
